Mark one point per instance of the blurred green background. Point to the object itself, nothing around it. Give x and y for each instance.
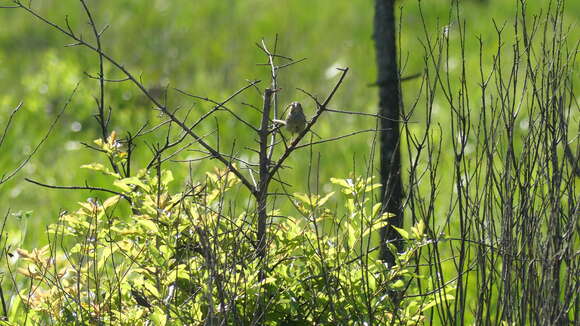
(207, 48)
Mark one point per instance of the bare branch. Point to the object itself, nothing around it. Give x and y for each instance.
(12, 114)
(336, 138)
(221, 105)
(87, 187)
(141, 87)
(10, 175)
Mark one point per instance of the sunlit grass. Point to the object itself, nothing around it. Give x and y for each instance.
(208, 48)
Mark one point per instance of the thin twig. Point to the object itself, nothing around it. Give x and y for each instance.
(12, 114)
(127, 198)
(8, 176)
(140, 86)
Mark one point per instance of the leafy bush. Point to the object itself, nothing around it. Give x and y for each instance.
(491, 160)
(183, 259)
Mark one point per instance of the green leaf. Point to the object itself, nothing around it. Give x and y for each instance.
(387, 215)
(438, 300)
(100, 168)
(397, 285)
(350, 205)
(166, 177)
(372, 187)
(128, 183)
(402, 232)
(419, 229)
(324, 199)
(148, 225)
(165, 252)
(302, 197)
(158, 317)
(375, 209)
(312, 200)
(151, 288)
(111, 201)
(375, 226)
(346, 183)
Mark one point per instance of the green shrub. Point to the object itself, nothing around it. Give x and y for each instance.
(183, 259)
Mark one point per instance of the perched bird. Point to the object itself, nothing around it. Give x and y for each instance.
(295, 119)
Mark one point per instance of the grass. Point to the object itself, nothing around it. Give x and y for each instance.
(208, 48)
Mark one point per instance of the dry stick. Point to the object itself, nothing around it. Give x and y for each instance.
(6, 177)
(101, 102)
(262, 199)
(567, 151)
(373, 115)
(12, 114)
(219, 105)
(261, 194)
(339, 137)
(103, 122)
(161, 107)
(127, 198)
(3, 255)
(274, 77)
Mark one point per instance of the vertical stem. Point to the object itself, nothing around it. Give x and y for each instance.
(274, 86)
(262, 199)
(262, 193)
(389, 99)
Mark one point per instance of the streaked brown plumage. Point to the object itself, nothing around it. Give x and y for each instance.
(295, 119)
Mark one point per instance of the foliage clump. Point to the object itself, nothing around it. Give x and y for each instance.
(146, 254)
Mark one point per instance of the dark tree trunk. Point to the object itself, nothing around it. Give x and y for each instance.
(389, 101)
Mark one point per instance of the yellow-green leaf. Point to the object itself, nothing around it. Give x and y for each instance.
(302, 197)
(111, 201)
(398, 285)
(166, 177)
(126, 183)
(438, 300)
(324, 199)
(151, 288)
(149, 225)
(419, 229)
(100, 168)
(346, 183)
(375, 209)
(402, 232)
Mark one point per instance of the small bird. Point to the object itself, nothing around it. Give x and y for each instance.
(295, 119)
